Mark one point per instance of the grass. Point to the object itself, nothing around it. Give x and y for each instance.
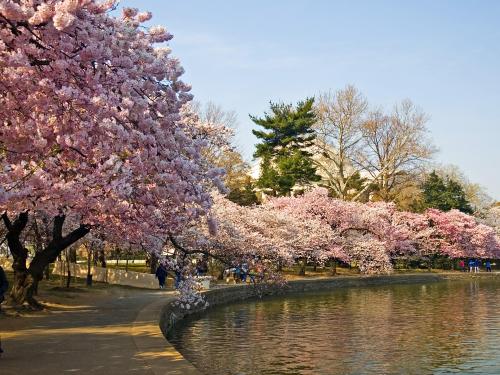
(131, 267)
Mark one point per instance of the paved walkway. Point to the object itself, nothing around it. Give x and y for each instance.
(111, 332)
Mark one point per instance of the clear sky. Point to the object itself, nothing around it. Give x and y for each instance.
(444, 55)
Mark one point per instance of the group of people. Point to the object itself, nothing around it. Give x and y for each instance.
(243, 272)
(473, 265)
(161, 273)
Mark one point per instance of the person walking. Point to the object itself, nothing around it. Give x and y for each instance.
(244, 272)
(477, 263)
(237, 273)
(4, 285)
(202, 267)
(461, 265)
(472, 264)
(488, 266)
(161, 275)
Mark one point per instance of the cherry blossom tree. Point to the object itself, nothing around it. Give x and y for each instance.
(373, 234)
(492, 218)
(256, 234)
(316, 227)
(362, 232)
(91, 129)
(458, 235)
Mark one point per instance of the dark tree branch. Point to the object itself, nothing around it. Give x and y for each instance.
(57, 229)
(359, 229)
(185, 251)
(56, 246)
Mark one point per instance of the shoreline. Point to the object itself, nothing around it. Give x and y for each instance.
(170, 315)
(122, 329)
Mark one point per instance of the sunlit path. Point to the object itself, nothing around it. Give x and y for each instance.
(98, 335)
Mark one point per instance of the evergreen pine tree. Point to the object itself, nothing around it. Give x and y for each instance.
(287, 135)
(444, 194)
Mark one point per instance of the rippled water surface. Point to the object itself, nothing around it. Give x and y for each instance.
(436, 328)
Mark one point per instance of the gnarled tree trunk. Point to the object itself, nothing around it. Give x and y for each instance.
(26, 279)
(22, 279)
(58, 243)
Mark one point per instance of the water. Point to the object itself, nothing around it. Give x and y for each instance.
(436, 328)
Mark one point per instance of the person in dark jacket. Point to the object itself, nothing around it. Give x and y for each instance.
(161, 274)
(472, 265)
(4, 284)
(488, 266)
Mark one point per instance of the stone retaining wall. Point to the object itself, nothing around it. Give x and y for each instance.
(100, 274)
(109, 275)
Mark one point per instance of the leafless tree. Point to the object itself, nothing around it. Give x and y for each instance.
(395, 147)
(339, 137)
(215, 114)
(222, 151)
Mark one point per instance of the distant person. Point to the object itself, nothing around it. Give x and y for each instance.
(488, 266)
(237, 273)
(461, 265)
(244, 272)
(477, 263)
(4, 284)
(472, 264)
(202, 267)
(161, 274)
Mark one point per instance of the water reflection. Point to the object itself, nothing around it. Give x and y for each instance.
(437, 328)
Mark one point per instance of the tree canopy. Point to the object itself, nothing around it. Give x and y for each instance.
(444, 194)
(92, 132)
(284, 147)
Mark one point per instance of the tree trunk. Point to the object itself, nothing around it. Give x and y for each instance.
(102, 257)
(24, 289)
(153, 263)
(26, 280)
(280, 266)
(89, 263)
(334, 268)
(20, 254)
(302, 270)
(117, 256)
(55, 246)
(68, 275)
(72, 254)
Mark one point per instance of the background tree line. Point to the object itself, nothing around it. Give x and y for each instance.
(358, 152)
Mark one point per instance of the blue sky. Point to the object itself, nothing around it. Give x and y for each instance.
(444, 55)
